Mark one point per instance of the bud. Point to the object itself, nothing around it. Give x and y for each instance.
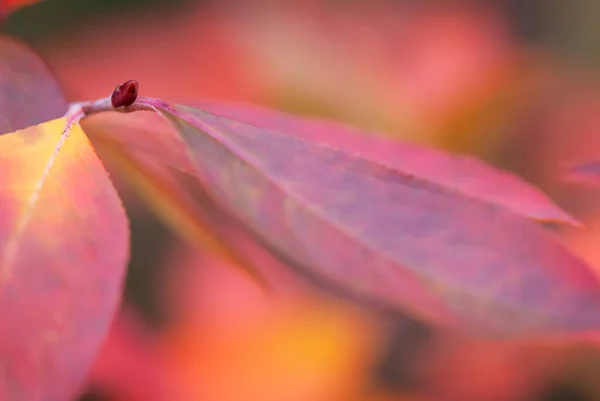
(124, 94)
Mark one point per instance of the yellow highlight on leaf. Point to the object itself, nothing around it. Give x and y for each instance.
(40, 158)
(64, 246)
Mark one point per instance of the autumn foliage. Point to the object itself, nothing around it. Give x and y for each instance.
(334, 233)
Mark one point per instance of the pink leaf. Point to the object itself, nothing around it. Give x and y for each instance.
(407, 242)
(64, 246)
(466, 174)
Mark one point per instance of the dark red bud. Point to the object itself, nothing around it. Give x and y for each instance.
(124, 94)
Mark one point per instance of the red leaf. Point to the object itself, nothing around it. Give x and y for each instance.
(390, 236)
(29, 93)
(462, 173)
(63, 249)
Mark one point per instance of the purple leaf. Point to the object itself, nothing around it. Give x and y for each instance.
(29, 93)
(410, 243)
(462, 173)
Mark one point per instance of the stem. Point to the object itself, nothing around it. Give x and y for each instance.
(81, 110)
(124, 93)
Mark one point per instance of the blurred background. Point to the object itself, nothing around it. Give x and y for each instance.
(516, 83)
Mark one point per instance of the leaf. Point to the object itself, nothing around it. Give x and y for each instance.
(64, 243)
(134, 143)
(462, 173)
(144, 132)
(29, 93)
(406, 242)
(173, 204)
